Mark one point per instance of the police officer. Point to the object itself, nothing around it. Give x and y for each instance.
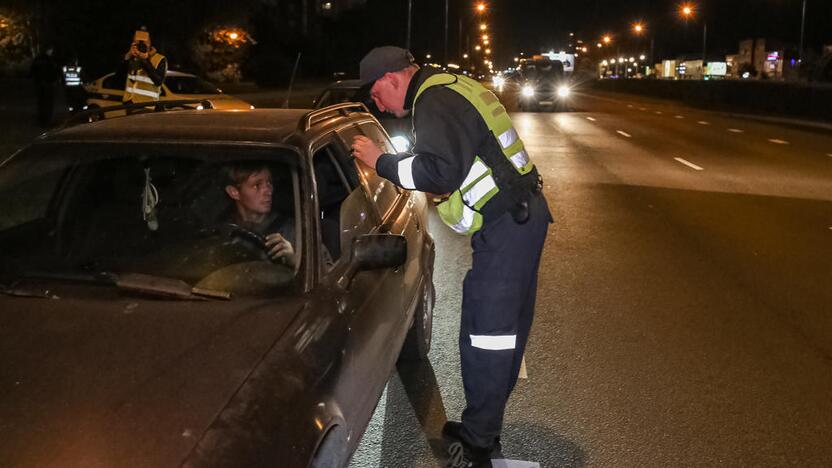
(146, 69)
(468, 156)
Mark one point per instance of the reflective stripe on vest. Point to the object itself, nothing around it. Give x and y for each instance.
(139, 86)
(461, 210)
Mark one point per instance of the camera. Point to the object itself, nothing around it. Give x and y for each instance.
(141, 46)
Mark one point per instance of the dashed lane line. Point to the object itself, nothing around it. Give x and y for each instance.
(689, 164)
(829, 154)
(703, 122)
(678, 116)
(623, 133)
(658, 112)
(642, 108)
(778, 142)
(736, 130)
(591, 119)
(630, 106)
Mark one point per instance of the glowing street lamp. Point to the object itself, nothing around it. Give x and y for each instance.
(483, 27)
(428, 56)
(607, 39)
(638, 28)
(478, 48)
(480, 7)
(687, 10)
(485, 37)
(487, 51)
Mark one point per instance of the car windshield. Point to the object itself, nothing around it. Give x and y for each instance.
(542, 69)
(190, 85)
(336, 96)
(157, 210)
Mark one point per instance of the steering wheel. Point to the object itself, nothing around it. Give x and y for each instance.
(249, 239)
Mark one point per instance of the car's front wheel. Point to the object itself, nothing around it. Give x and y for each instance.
(332, 452)
(417, 344)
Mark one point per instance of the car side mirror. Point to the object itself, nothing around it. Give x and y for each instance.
(375, 252)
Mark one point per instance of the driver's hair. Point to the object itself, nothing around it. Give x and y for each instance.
(237, 173)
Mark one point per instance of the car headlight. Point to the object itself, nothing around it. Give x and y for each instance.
(499, 81)
(563, 91)
(401, 143)
(199, 107)
(528, 90)
(252, 107)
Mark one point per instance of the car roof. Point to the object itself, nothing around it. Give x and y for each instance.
(345, 84)
(269, 126)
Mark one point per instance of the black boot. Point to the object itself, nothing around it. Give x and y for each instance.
(475, 456)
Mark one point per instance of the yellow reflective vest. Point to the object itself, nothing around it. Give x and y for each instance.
(139, 87)
(461, 210)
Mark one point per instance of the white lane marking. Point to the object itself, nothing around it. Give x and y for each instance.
(623, 133)
(829, 154)
(703, 122)
(736, 130)
(658, 112)
(630, 106)
(778, 142)
(591, 119)
(642, 108)
(689, 164)
(678, 116)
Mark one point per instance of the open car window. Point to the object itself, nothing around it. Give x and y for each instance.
(149, 209)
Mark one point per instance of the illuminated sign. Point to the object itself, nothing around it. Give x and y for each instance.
(773, 56)
(717, 69)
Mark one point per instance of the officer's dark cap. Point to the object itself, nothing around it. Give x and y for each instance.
(381, 60)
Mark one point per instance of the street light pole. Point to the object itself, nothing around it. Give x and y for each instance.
(409, 20)
(802, 31)
(704, 43)
(446, 32)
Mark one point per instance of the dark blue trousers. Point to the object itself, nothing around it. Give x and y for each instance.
(498, 298)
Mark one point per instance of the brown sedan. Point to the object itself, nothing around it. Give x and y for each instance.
(141, 326)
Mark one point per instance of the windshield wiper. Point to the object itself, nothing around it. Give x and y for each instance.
(166, 287)
(160, 286)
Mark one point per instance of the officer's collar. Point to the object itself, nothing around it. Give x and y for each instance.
(415, 81)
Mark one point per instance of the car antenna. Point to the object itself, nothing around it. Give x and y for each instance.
(291, 82)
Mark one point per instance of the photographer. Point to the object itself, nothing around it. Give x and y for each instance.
(146, 69)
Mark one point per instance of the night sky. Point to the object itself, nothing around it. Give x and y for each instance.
(535, 25)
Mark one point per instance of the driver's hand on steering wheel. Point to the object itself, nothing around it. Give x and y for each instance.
(278, 247)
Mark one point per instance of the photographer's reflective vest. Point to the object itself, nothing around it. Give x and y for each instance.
(461, 210)
(139, 87)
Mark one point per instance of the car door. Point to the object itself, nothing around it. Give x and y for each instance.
(372, 302)
(397, 208)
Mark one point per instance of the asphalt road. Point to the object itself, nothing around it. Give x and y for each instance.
(685, 305)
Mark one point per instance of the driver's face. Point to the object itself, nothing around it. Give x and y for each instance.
(256, 193)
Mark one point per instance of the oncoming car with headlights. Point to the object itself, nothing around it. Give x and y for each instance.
(542, 84)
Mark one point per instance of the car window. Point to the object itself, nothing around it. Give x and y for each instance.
(28, 199)
(155, 210)
(190, 85)
(342, 205)
(114, 81)
(383, 192)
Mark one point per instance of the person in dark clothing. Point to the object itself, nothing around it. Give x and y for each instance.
(45, 74)
(469, 158)
(249, 186)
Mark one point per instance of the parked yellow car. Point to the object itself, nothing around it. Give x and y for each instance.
(108, 90)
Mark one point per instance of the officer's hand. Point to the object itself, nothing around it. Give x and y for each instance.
(279, 248)
(366, 150)
(133, 52)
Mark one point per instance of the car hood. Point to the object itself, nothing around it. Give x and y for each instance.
(110, 380)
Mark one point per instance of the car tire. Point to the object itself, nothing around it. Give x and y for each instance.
(94, 117)
(332, 453)
(417, 344)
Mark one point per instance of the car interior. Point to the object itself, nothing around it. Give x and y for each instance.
(160, 214)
